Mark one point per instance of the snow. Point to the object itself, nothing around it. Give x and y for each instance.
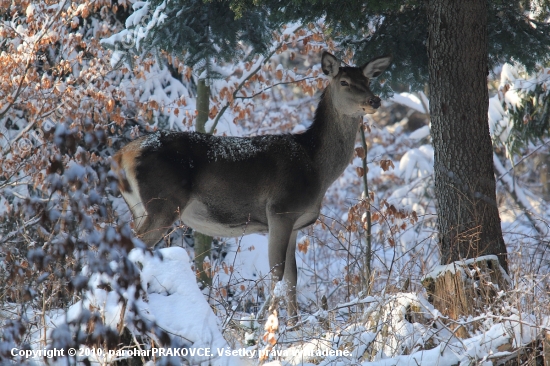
(417, 163)
(151, 141)
(176, 303)
(280, 289)
(521, 196)
(460, 265)
(247, 257)
(480, 347)
(420, 133)
(173, 301)
(115, 59)
(298, 129)
(234, 148)
(409, 100)
(499, 123)
(398, 334)
(75, 171)
(30, 10)
(508, 73)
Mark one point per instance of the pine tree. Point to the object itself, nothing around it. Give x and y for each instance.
(200, 30)
(468, 218)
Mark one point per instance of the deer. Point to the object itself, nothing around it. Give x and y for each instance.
(225, 186)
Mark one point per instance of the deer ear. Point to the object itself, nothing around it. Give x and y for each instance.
(330, 64)
(376, 66)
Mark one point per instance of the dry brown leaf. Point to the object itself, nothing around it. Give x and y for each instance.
(386, 164)
(360, 152)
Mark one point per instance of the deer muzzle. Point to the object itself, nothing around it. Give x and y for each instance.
(374, 102)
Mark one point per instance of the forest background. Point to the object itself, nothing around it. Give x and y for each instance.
(81, 79)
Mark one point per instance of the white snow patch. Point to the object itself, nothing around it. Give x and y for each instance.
(459, 265)
(281, 289)
(417, 163)
(420, 133)
(409, 100)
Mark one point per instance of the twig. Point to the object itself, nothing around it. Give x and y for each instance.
(14, 184)
(17, 92)
(519, 197)
(138, 347)
(18, 195)
(27, 224)
(368, 249)
(27, 67)
(21, 133)
(276, 84)
(523, 159)
(243, 82)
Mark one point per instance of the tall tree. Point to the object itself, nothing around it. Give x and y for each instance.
(469, 223)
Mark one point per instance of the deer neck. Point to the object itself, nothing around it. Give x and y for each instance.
(331, 138)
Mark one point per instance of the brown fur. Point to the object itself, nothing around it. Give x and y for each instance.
(125, 164)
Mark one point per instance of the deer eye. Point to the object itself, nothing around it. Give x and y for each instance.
(344, 83)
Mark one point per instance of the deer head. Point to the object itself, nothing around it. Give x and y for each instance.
(349, 86)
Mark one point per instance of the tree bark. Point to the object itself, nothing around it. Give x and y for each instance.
(203, 243)
(468, 218)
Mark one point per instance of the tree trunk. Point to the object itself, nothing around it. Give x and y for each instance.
(468, 218)
(203, 243)
(462, 287)
(543, 161)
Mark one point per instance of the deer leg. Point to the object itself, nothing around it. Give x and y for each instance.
(152, 230)
(280, 233)
(291, 277)
(156, 222)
